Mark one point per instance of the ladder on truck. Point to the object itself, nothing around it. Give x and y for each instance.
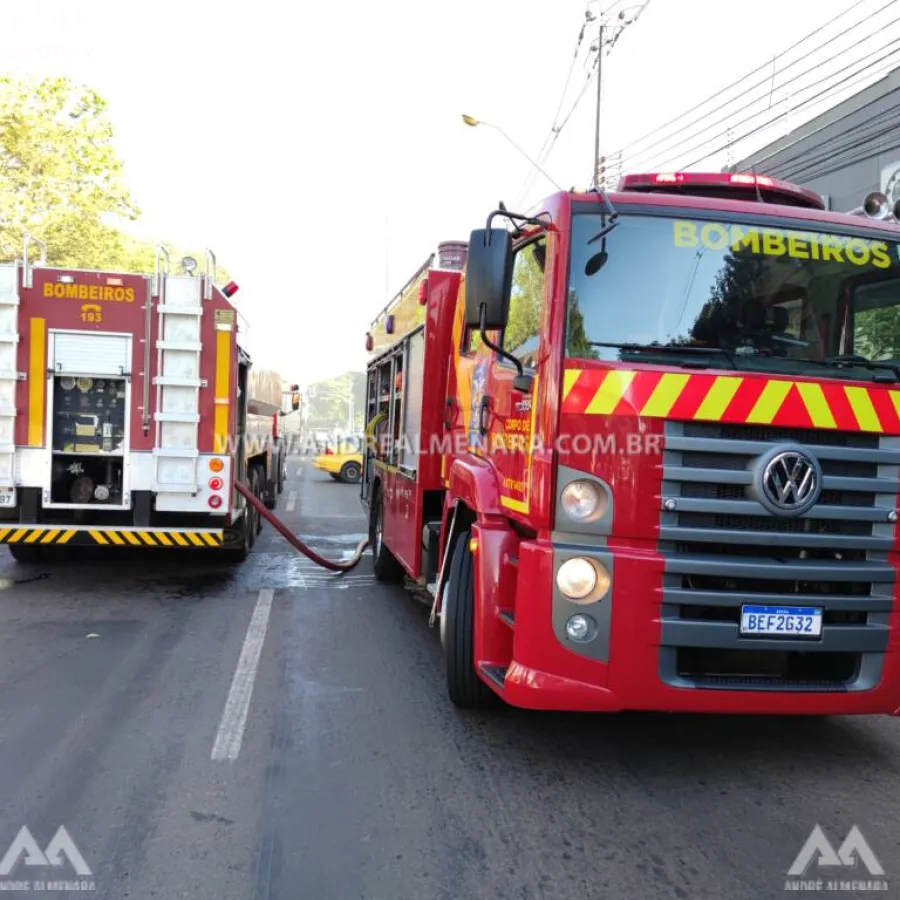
(180, 310)
(9, 345)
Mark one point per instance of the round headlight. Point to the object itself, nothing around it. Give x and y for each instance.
(576, 578)
(583, 500)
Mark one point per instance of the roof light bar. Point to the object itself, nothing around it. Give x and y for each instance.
(740, 182)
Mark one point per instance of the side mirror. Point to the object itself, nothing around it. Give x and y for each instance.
(488, 278)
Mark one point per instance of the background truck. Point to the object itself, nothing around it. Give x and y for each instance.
(644, 451)
(128, 410)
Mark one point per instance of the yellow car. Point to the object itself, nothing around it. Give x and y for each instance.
(344, 463)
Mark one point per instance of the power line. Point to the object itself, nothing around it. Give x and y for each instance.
(757, 160)
(745, 100)
(768, 124)
(737, 83)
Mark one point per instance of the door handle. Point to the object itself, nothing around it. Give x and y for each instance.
(483, 408)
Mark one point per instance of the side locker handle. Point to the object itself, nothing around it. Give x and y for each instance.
(484, 409)
(449, 413)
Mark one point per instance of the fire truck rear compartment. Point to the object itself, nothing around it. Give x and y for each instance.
(88, 441)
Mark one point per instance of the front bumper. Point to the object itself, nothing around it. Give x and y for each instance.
(633, 664)
(81, 536)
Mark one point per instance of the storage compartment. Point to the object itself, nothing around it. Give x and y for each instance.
(88, 441)
(88, 415)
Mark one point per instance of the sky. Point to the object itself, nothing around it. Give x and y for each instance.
(319, 150)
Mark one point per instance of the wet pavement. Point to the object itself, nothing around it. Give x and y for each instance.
(275, 731)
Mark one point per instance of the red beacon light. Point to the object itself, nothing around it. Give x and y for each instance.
(370, 343)
(230, 289)
(423, 293)
(735, 185)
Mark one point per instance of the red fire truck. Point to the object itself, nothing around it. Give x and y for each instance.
(126, 412)
(644, 451)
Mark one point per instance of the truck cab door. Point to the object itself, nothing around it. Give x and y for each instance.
(508, 416)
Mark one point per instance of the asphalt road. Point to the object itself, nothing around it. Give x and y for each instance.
(274, 731)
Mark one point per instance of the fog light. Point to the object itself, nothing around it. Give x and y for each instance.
(581, 628)
(215, 501)
(583, 500)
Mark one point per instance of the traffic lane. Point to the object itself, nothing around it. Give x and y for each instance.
(115, 679)
(379, 788)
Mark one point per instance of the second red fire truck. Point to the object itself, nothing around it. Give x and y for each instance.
(643, 448)
(129, 410)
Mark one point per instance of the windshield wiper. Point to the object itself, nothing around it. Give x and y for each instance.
(668, 348)
(854, 361)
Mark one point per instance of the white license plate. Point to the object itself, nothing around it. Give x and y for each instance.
(8, 497)
(782, 621)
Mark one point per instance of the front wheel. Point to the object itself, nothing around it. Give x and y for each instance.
(465, 689)
(384, 563)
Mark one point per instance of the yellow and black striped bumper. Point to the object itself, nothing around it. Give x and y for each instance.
(186, 538)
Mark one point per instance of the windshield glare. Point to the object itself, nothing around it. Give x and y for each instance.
(776, 298)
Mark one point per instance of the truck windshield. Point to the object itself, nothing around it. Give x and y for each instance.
(759, 297)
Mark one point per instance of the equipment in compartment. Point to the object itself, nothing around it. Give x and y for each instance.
(88, 440)
(86, 480)
(88, 415)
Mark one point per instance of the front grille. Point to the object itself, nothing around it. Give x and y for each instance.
(723, 549)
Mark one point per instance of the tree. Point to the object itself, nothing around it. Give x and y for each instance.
(59, 173)
(62, 182)
(329, 401)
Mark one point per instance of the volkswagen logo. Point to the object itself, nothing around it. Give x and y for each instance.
(788, 481)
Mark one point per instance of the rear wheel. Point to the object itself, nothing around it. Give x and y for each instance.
(256, 483)
(464, 687)
(351, 473)
(384, 563)
(26, 553)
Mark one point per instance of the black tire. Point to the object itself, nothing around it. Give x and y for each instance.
(464, 687)
(384, 564)
(335, 476)
(26, 553)
(351, 472)
(280, 474)
(256, 483)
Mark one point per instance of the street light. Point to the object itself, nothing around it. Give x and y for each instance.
(471, 121)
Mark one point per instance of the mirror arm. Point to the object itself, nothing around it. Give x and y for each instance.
(522, 381)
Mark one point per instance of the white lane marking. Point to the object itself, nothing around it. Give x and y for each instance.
(234, 716)
(291, 501)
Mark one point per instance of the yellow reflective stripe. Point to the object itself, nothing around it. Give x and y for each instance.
(179, 539)
(769, 402)
(718, 397)
(664, 395)
(131, 539)
(210, 539)
(146, 538)
(98, 537)
(34, 536)
(223, 386)
(816, 405)
(161, 537)
(18, 535)
(194, 539)
(515, 505)
(861, 403)
(49, 536)
(66, 537)
(37, 379)
(570, 376)
(4, 532)
(115, 538)
(611, 392)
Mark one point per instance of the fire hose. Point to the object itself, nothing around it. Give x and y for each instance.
(294, 541)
